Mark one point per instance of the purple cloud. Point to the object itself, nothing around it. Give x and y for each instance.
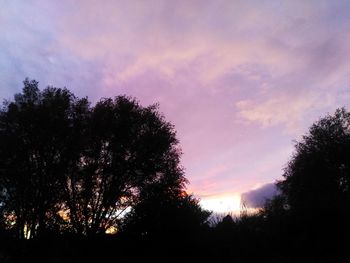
(239, 79)
(256, 198)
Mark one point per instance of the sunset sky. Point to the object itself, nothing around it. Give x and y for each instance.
(240, 80)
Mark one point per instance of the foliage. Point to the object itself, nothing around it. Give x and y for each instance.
(312, 212)
(68, 166)
(34, 135)
(163, 214)
(317, 179)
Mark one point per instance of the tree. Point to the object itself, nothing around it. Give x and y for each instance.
(130, 149)
(315, 192)
(318, 175)
(34, 129)
(165, 215)
(68, 166)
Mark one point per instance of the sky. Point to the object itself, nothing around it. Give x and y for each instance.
(240, 80)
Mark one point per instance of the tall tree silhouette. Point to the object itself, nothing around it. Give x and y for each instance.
(128, 149)
(34, 130)
(318, 176)
(68, 166)
(315, 192)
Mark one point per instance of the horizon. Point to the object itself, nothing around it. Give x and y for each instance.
(240, 80)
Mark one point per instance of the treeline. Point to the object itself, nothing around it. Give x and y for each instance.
(71, 173)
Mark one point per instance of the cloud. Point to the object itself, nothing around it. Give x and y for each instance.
(286, 109)
(239, 79)
(257, 197)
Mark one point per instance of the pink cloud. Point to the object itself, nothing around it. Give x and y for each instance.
(238, 79)
(285, 109)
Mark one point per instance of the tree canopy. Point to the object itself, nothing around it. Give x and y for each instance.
(318, 174)
(66, 165)
(315, 192)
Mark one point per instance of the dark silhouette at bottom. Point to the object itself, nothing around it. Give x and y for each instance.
(71, 172)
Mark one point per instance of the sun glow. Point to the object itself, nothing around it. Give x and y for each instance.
(222, 204)
(111, 230)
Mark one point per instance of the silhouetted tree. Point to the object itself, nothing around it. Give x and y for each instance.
(227, 228)
(67, 166)
(131, 148)
(163, 214)
(34, 135)
(276, 214)
(317, 179)
(315, 192)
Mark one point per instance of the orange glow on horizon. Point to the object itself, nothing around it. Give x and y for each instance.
(222, 203)
(111, 230)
